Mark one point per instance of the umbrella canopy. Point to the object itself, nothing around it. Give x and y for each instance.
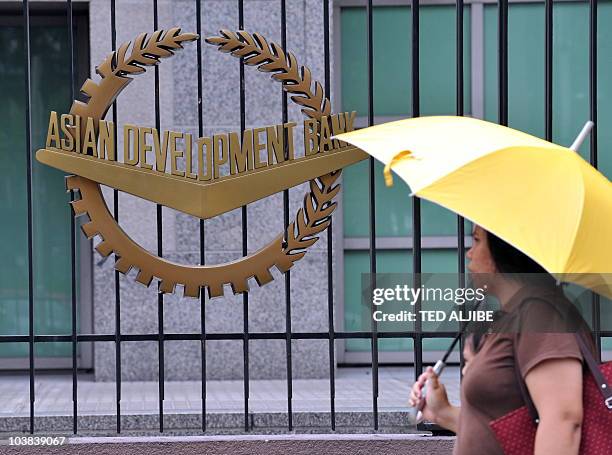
(540, 197)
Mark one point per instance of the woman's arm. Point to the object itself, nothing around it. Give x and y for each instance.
(449, 418)
(555, 387)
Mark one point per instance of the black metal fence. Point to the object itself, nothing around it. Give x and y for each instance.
(288, 335)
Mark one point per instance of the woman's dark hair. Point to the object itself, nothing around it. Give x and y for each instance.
(510, 260)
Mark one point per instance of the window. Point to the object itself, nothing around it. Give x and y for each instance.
(392, 99)
(50, 90)
(392, 40)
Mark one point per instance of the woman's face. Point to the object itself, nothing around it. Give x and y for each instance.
(479, 255)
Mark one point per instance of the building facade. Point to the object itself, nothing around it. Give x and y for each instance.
(302, 303)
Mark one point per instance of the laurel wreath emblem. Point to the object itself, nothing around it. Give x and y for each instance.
(311, 220)
(271, 58)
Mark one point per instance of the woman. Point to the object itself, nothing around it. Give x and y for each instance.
(548, 362)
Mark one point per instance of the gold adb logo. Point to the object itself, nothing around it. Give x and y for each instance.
(203, 176)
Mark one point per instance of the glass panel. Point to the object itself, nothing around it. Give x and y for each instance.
(393, 207)
(392, 86)
(570, 80)
(604, 88)
(392, 56)
(526, 111)
(357, 315)
(392, 60)
(13, 200)
(604, 134)
(50, 70)
(606, 344)
(526, 68)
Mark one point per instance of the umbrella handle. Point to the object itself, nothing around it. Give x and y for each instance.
(415, 415)
(586, 129)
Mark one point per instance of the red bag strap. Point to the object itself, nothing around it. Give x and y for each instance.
(533, 412)
(589, 359)
(600, 379)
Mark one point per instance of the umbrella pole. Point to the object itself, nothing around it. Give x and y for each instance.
(586, 129)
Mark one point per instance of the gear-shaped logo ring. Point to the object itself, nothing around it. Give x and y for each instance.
(284, 250)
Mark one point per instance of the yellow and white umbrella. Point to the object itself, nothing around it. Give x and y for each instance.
(540, 197)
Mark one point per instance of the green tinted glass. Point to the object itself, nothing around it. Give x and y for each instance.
(570, 80)
(570, 72)
(392, 88)
(392, 83)
(357, 313)
(50, 89)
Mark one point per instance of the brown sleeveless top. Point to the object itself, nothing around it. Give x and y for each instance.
(489, 388)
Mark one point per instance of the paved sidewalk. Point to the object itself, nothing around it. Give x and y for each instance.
(224, 404)
(353, 393)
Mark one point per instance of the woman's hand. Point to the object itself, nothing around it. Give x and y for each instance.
(437, 408)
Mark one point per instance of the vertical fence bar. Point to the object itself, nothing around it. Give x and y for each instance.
(202, 244)
(502, 29)
(459, 58)
(548, 69)
(26, 46)
(73, 300)
(286, 224)
(593, 79)
(116, 272)
(160, 295)
(460, 112)
(416, 202)
(372, 186)
(593, 142)
(245, 295)
(330, 276)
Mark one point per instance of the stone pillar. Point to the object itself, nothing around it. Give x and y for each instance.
(223, 234)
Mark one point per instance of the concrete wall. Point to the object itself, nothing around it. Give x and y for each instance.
(178, 102)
